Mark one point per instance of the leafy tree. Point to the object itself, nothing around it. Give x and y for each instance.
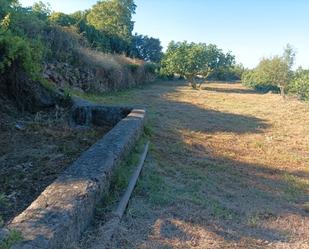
(191, 60)
(113, 17)
(300, 84)
(61, 19)
(272, 72)
(41, 10)
(147, 48)
(289, 56)
(5, 6)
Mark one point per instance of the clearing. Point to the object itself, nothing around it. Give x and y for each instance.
(227, 168)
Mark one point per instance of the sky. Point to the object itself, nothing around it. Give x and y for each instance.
(250, 29)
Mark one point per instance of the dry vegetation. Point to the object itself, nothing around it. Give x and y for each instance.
(34, 150)
(228, 168)
(115, 71)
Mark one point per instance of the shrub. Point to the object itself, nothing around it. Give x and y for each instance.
(62, 42)
(151, 68)
(272, 73)
(20, 53)
(300, 84)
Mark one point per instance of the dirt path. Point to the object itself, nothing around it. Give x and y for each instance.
(227, 168)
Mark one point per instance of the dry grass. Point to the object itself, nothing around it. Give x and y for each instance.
(33, 155)
(114, 71)
(228, 168)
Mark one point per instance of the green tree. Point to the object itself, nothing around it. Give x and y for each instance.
(113, 17)
(5, 7)
(192, 60)
(61, 19)
(300, 84)
(275, 71)
(41, 10)
(146, 48)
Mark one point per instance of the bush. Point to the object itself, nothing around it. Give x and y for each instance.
(258, 80)
(62, 42)
(151, 68)
(300, 84)
(20, 53)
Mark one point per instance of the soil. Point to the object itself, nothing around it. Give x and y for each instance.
(34, 150)
(227, 168)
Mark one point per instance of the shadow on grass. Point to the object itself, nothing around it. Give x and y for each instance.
(233, 201)
(230, 199)
(231, 90)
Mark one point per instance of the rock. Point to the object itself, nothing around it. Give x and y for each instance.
(20, 127)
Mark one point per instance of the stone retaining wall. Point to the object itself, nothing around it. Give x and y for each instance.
(64, 209)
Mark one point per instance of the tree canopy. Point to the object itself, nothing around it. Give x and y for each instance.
(194, 59)
(146, 48)
(273, 72)
(113, 17)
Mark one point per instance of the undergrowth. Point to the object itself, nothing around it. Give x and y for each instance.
(12, 238)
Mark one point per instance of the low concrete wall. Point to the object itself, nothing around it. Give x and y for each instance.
(65, 208)
(85, 113)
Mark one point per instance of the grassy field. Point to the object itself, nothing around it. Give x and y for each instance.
(227, 168)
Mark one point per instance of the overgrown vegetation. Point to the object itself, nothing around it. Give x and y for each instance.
(34, 40)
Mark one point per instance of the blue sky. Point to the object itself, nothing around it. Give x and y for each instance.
(251, 29)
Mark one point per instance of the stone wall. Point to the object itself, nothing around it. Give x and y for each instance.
(94, 78)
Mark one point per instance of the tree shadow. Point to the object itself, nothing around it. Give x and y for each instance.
(238, 202)
(230, 90)
(234, 206)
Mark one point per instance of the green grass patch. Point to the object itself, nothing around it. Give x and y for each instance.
(294, 186)
(120, 179)
(13, 237)
(154, 188)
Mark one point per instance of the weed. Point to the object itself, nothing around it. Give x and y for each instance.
(148, 130)
(253, 220)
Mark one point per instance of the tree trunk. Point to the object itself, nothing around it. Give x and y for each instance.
(192, 82)
(282, 93)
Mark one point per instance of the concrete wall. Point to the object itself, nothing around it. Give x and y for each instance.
(65, 208)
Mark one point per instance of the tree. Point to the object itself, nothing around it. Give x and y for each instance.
(289, 56)
(41, 10)
(113, 17)
(5, 6)
(300, 84)
(61, 19)
(275, 71)
(192, 60)
(146, 48)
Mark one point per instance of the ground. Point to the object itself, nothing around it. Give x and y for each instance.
(227, 168)
(34, 150)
